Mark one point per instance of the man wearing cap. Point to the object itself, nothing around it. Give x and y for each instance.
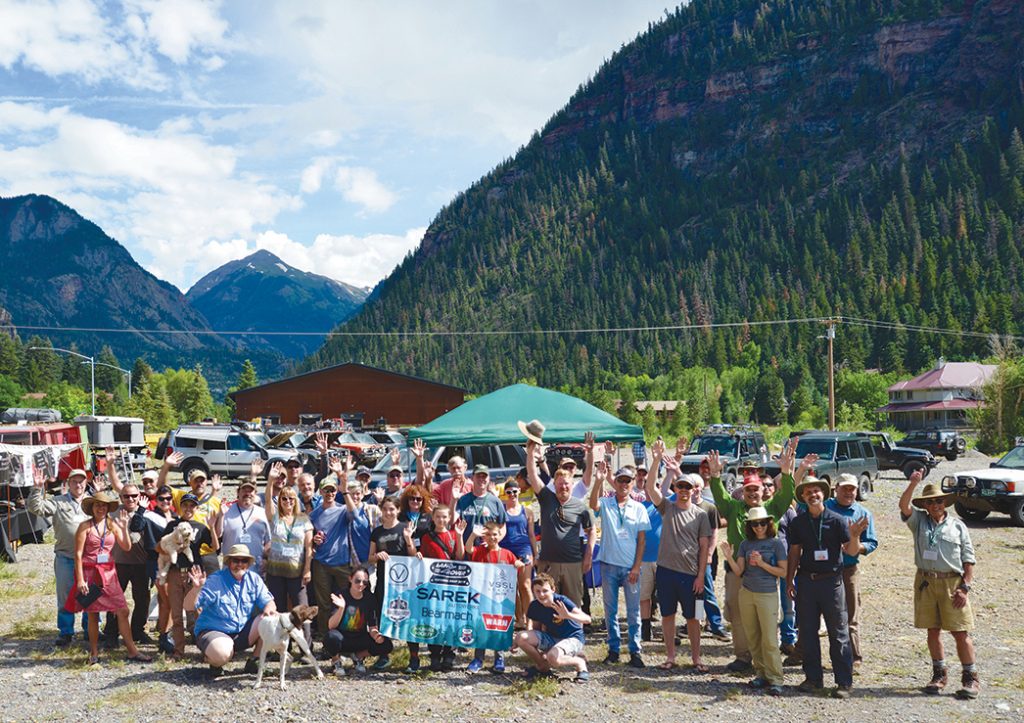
(245, 523)
(480, 506)
(177, 575)
(564, 521)
(229, 603)
(817, 540)
(735, 513)
(581, 487)
(65, 513)
(394, 482)
(624, 524)
(845, 504)
(683, 556)
(944, 556)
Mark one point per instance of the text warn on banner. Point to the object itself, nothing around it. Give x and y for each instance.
(445, 602)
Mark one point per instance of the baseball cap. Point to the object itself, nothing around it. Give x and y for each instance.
(151, 474)
(77, 473)
(246, 483)
(196, 473)
(360, 471)
(188, 498)
(481, 469)
(625, 472)
(847, 480)
(751, 480)
(293, 462)
(565, 461)
(328, 484)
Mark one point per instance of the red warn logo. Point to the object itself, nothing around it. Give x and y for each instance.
(496, 622)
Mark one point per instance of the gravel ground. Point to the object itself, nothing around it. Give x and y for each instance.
(40, 683)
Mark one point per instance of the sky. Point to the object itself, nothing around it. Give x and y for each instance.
(328, 132)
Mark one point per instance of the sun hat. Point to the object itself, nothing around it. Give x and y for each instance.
(109, 498)
(239, 550)
(930, 492)
(757, 513)
(533, 430)
(810, 481)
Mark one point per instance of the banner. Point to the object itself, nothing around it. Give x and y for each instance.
(17, 461)
(447, 602)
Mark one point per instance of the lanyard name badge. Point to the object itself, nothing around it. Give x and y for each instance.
(103, 556)
(820, 555)
(931, 553)
(622, 533)
(245, 538)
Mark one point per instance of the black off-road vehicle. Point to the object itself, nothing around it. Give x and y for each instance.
(906, 459)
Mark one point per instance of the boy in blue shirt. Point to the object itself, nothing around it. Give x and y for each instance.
(557, 639)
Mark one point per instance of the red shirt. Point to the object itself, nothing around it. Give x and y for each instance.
(431, 549)
(482, 554)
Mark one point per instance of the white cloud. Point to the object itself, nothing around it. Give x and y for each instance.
(180, 27)
(313, 175)
(362, 187)
(356, 260)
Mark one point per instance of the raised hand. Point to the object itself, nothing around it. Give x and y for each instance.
(122, 518)
(428, 471)
(806, 466)
(726, 548)
(338, 600)
(419, 448)
(255, 469)
(38, 477)
(858, 526)
(197, 576)
(671, 464)
(99, 483)
(407, 532)
(276, 470)
(786, 459)
(396, 457)
(715, 464)
(588, 441)
(321, 442)
(460, 525)
(174, 459)
(682, 445)
(658, 448)
(609, 448)
(216, 483)
(336, 466)
(916, 476)
(561, 611)
(601, 469)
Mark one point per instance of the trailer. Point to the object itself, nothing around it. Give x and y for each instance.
(125, 434)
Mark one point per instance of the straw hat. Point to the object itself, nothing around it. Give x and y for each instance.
(239, 551)
(533, 430)
(109, 498)
(932, 492)
(809, 481)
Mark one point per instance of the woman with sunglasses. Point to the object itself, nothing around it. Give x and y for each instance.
(352, 627)
(759, 565)
(415, 507)
(157, 520)
(289, 554)
(521, 541)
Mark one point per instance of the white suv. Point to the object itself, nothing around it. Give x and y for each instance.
(221, 449)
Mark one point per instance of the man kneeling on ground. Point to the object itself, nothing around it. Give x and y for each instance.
(229, 602)
(557, 641)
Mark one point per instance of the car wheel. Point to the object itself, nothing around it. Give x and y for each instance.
(729, 481)
(966, 513)
(910, 467)
(1017, 513)
(863, 488)
(951, 456)
(190, 464)
(961, 445)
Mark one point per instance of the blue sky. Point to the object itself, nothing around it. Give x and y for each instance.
(329, 132)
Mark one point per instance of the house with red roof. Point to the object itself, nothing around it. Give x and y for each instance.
(940, 397)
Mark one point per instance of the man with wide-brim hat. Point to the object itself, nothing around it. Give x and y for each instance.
(944, 556)
(227, 602)
(817, 540)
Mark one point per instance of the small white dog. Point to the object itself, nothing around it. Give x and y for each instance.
(178, 542)
(275, 632)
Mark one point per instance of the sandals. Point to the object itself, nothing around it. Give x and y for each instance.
(582, 676)
(139, 658)
(94, 660)
(668, 665)
(701, 669)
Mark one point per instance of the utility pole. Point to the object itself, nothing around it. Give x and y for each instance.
(830, 335)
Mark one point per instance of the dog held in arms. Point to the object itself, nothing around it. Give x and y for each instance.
(275, 632)
(179, 542)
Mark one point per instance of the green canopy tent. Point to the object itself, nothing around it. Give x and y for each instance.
(491, 419)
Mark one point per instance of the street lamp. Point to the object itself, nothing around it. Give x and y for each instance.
(92, 368)
(126, 371)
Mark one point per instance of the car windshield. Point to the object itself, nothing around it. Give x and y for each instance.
(259, 438)
(348, 438)
(722, 445)
(364, 438)
(1014, 459)
(824, 448)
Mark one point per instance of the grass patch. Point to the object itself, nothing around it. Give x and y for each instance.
(134, 695)
(537, 688)
(14, 583)
(637, 685)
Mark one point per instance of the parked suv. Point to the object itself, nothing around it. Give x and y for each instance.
(999, 488)
(221, 449)
(906, 459)
(946, 443)
(504, 460)
(838, 452)
(734, 444)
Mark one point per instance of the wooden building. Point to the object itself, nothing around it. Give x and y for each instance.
(349, 390)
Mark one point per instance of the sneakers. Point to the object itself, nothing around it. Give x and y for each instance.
(251, 666)
(774, 690)
(635, 661)
(809, 686)
(758, 683)
(475, 666)
(612, 657)
(722, 635)
(413, 666)
(382, 663)
(739, 666)
(842, 692)
(970, 686)
(339, 669)
(63, 641)
(499, 664)
(940, 678)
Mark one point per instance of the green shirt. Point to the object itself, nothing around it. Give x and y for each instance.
(735, 511)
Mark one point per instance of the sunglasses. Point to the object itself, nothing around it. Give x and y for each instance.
(164, 499)
(288, 499)
(511, 492)
(415, 499)
(759, 523)
(360, 582)
(684, 488)
(129, 497)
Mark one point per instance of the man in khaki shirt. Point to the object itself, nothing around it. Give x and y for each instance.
(65, 512)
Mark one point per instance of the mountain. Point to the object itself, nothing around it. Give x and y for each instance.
(261, 292)
(742, 161)
(60, 270)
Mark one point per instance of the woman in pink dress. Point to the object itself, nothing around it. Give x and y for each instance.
(94, 566)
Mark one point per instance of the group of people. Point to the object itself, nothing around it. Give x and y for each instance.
(791, 553)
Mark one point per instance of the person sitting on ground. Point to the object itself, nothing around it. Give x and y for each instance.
(556, 640)
(490, 552)
(352, 626)
(229, 603)
(95, 574)
(760, 564)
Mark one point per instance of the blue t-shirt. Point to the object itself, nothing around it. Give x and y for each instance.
(620, 527)
(226, 604)
(546, 616)
(653, 534)
(344, 534)
(477, 511)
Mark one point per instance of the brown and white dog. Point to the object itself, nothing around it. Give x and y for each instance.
(275, 632)
(179, 542)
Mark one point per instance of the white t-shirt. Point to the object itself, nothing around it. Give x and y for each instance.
(246, 527)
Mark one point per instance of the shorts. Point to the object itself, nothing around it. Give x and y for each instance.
(647, 573)
(676, 588)
(568, 646)
(241, 638)
(933, 605)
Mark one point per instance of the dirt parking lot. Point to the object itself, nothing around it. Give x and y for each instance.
(39, 683)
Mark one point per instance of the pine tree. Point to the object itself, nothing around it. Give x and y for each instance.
(198, 404)
(248, 376)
